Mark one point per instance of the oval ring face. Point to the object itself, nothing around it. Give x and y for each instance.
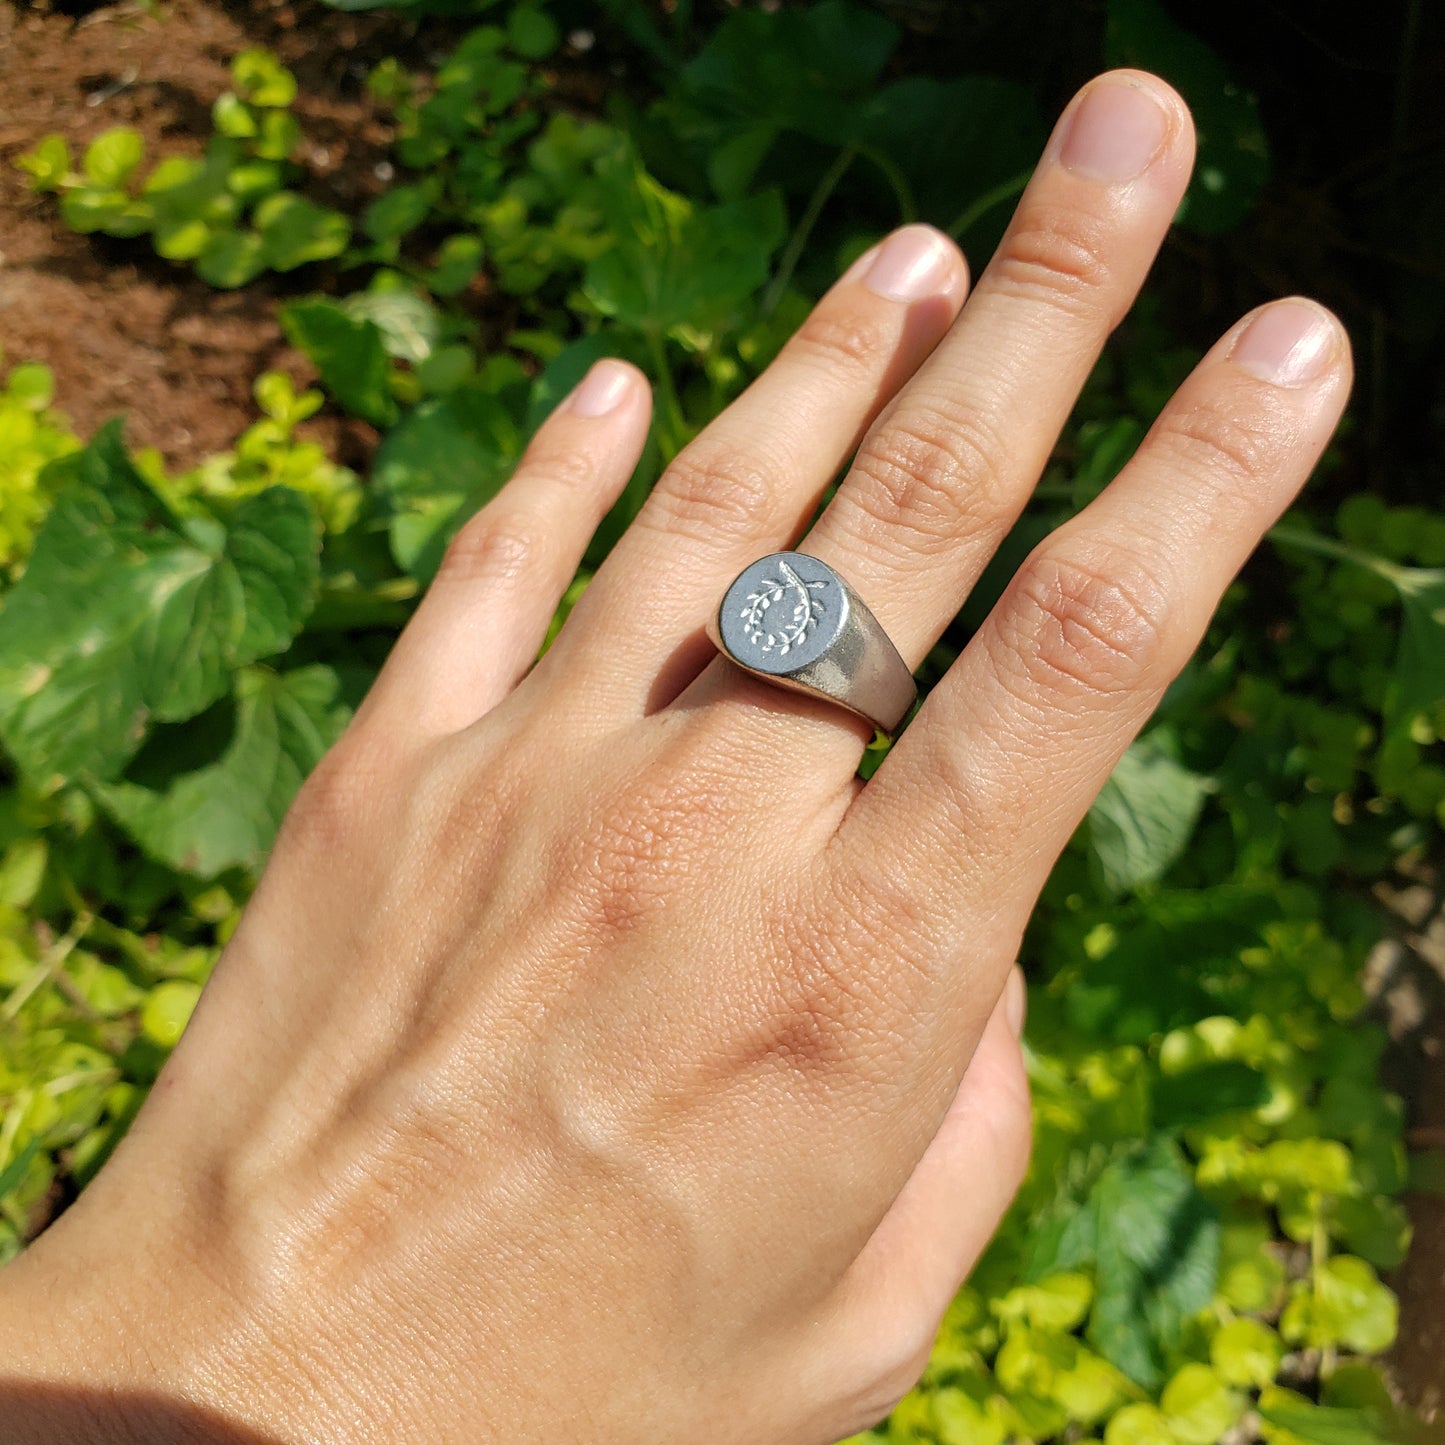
(782, 613)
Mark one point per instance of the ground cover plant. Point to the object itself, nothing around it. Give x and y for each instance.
(1216, 1189)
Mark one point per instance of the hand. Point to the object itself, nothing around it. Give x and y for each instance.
(599, 1059)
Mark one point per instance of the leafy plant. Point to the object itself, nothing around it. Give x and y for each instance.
(32, 438)
(228, 212)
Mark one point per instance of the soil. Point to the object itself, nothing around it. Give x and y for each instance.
(126, 332)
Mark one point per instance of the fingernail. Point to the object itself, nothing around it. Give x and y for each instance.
(601, 389)
(1015, 1001)
(911, 264)
(1289, 343)
(1116, 129)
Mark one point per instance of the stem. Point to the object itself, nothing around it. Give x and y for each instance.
(902, 191)
(51, 962)
(972, 214)
(80, 1077)
(797, 242)
(673, 418)
(1283, 535)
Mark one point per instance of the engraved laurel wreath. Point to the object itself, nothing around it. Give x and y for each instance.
(763, 617)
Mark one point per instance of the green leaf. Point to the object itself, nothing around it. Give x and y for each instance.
(1344, 1304)
(963, 1418)
(1374, 1227)
(126, 614)
(1139, 1425)
(445, 369)
(437, 467)
(226, 815)
(262, 80)
(1200, 1408)
(1233, 152)
(1420, 663)
(531, 32)
(47, 165)
(672, 267)
(1145, 815)
(253, 181)
(1156, 1256)
(112, 156)
(231, 258)
(807, 70)
(959, 142)
(87, 209)
(22, 867)
(295, 231)
(233, 117)
(167, 1010)
(1059, 1302)
(182, 238)
(1048, 1365)
(1246, 1353)
(1322, 1424)
(410, 325)
(278, 133)
(458, 259)
(400, 210)
(349, 353)
(31, 385)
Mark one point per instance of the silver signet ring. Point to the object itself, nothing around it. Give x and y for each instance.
(792, 620)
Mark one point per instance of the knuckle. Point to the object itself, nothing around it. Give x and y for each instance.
(714, 493)
(807, 1024)
(844, 970)
(932, 473)
(1055, 254)
(338, 794)
(833, 334)
(490, 547)
(1219, 441)
(566, 468)
(1086, 622)
(630, 858)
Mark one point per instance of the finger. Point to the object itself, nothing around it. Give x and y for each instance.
(749, 482)
(982, 793)
(893, 1298)
(943, 473)
(486, 613)
(949, 464)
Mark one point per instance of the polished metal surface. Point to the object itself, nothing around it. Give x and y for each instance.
(792, 620)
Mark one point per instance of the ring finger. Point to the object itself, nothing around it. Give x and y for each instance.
(754, 476)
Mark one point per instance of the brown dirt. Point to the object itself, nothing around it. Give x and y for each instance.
(124, 330)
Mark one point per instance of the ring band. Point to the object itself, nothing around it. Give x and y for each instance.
(793, 621)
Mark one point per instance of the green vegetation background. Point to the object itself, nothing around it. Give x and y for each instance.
(1214, 1194)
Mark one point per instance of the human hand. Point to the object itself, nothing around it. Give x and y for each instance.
(599, 1059)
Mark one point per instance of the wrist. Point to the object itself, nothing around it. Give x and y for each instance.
(91, 1326)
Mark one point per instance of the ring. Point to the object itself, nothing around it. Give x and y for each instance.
(793, 621)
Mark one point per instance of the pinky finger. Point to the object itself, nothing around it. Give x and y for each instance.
(486, 614)
(893, 1298)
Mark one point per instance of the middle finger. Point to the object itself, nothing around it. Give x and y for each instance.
(945, 470)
